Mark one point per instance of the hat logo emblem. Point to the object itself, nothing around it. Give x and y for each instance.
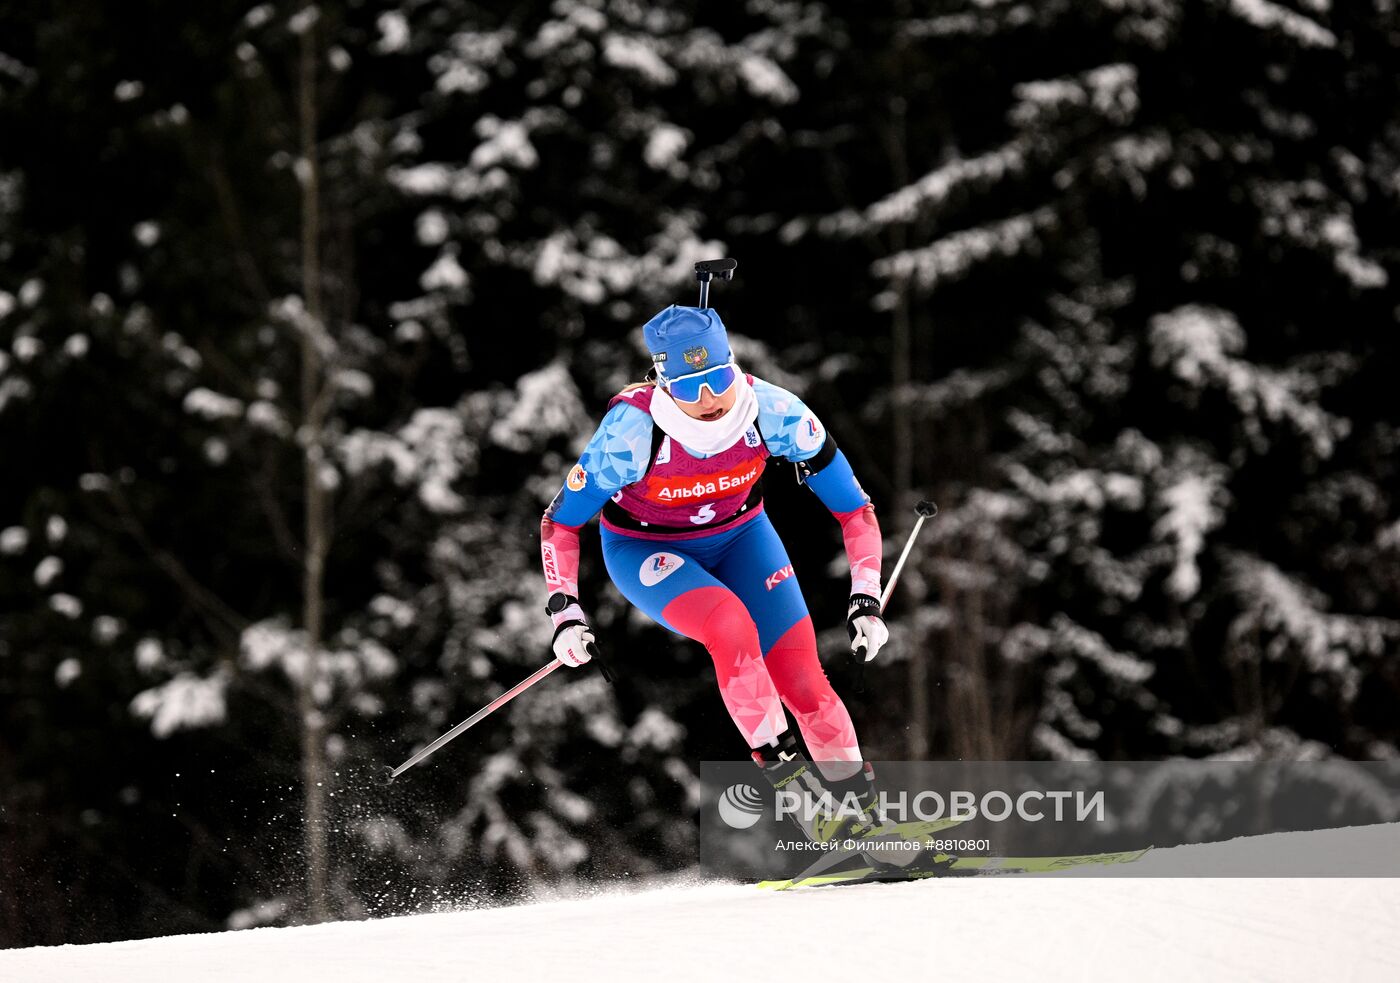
(697, 357)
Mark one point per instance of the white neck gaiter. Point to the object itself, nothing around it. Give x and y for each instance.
(706, 437)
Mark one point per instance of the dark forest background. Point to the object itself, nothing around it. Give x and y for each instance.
(305, 310)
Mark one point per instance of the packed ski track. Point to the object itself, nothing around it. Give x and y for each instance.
(1051, 927)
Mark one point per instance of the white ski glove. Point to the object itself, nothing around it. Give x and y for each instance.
(574, 643)
(866, 627)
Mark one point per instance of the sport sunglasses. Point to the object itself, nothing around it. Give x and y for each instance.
(686, 388)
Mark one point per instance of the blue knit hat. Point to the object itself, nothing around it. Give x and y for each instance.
(682, 340)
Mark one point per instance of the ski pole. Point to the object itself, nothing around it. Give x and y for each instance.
(926, 510)
(474, 719)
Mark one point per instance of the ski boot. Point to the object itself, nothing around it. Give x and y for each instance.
(843, 809)
(821, 819)
(891, 846)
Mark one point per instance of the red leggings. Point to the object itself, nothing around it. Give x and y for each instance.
(756, 685)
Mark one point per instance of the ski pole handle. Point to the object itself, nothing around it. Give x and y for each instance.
(604, 666)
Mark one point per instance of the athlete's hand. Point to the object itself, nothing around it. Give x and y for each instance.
(574, 644)
(865, 626)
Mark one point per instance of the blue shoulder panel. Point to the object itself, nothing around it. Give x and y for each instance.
(615, 457)
(790, 429)
(619, 452)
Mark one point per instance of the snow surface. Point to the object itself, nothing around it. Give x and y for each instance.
(995, 928)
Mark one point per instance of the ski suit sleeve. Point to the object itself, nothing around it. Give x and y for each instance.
(615, 457)
(793, 432)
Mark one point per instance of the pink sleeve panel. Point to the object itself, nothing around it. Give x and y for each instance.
(864, 548)
(559, 555)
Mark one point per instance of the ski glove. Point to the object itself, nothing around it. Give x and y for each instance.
(574, 644)
(866, 627)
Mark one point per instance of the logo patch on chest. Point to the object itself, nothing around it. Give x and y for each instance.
(658, 567)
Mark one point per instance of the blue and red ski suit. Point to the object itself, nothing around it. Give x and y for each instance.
(686, 540)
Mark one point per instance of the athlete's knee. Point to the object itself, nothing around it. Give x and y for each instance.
(730, 629)
(797, 671)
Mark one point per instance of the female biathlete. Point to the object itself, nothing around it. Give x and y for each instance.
(674, 468)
